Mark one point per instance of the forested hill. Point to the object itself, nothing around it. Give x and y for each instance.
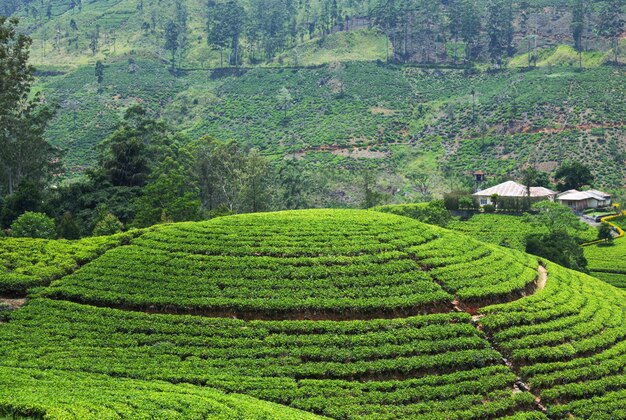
(425, 92)
(201, 34)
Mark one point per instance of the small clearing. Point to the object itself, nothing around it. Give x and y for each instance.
(378, 110)
(12, 303)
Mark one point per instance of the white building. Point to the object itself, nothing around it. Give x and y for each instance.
(513, 190)
(581, 200)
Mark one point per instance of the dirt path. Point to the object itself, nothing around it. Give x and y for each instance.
(543, 277)
(519, 385)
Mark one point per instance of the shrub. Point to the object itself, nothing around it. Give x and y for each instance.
(467, 203)
(558, 247)
(108, 225)
(33, 225)
(451, 201)
(489, 208)
(68, 228)
(605, 233)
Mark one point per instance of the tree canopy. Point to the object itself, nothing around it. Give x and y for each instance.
(24, 153)
(573, 175)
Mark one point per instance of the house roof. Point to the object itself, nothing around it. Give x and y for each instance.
(600, 193)
(514, 189)
(575, 195)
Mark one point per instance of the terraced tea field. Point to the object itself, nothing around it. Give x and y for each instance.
(511, 231)
(606, 261)
(294, 265)
(336, 313)
(26, 263)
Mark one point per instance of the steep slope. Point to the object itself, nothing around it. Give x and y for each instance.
(396, 116)
(550, 349)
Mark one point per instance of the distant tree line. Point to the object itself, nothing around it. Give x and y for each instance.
(148, 174)
(425, 31)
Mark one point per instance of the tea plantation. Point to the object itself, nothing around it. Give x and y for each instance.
(336, 313)
(511, 231)
(27, 263)
(606, 262)
(394, 115)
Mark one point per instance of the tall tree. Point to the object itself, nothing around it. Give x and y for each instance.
(284, 99)
(130, 156)
(99, 74)
(169, 198)
(24, 154)
(385, 15)
(226, 27)
(454, 24)
(470, 28)
(573, 175)
(578, 27)
(181, 22)
(218, 169)
(499, 29)
(531, 177)
(293, 182)
(171, 41)
(612, 24)
(255, 191)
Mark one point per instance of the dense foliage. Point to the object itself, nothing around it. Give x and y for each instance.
(433, 213)
(24, 153)
(436, 365)
(58, 394)
(415, 125)
(33, 225)
(194, 33)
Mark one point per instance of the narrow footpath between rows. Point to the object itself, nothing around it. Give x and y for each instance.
(519, 385)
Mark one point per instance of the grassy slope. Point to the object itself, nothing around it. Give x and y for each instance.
(410, 367)
(410, 118)
(509, 230)
(122, 20)
(57, 394)
(566, 55)
(361, 45)
(606, 262)
(27, 263)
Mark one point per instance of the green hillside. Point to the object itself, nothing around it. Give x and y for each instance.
(69, 33)
(58, 394)
(339, 115)
(345, 108)
(298, 305)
